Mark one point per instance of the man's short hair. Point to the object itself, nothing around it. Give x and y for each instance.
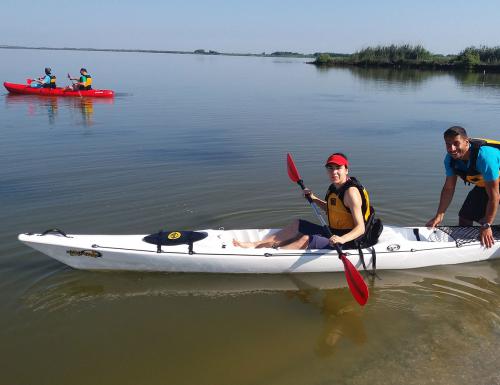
(454, 131)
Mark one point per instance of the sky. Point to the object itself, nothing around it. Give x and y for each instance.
(251, 26)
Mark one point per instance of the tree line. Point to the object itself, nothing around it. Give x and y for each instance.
(416, 56)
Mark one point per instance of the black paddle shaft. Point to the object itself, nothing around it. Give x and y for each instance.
(300, 182)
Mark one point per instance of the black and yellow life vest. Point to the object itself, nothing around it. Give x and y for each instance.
(52, 83)
(472, 175)
(340, 216)
(87, 82)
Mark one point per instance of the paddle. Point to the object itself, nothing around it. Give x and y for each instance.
(73, 83)
(355, 281)
(28, 81)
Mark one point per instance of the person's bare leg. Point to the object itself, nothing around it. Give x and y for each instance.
(289, 232)
(299, 244)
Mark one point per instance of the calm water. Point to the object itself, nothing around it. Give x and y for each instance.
(199, 142)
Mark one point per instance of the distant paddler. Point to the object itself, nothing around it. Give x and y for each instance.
(46, 81)
(83, 83)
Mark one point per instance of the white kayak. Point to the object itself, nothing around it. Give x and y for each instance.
(212, 251)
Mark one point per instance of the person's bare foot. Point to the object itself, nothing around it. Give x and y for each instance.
(245, 245)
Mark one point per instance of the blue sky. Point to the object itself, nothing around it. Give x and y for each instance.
(442, 26)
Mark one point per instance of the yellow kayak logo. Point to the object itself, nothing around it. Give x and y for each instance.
(174, 235)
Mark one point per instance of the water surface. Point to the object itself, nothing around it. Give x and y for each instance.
(200, 142)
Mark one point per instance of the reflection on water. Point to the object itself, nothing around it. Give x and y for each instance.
(413, 77)
(396, 77)
(51, 106)
(72, 287)
(340, 316)
(35, 105)
(471, 286)
(86, 106)
(478, 79)
(468, 282)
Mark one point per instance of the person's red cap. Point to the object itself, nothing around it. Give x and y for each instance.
(338, 160)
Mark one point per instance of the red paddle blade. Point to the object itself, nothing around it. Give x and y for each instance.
(293, 173)
(355, 282)
(28, 81)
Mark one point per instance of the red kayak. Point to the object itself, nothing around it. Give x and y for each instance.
(28, 90)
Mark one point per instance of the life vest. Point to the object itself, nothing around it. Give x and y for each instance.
(340, 216)
(87, 82)
(472, 175)
(52, 83)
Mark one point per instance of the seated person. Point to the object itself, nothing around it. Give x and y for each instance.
(83, 83)
(350, 216)
(47, 81)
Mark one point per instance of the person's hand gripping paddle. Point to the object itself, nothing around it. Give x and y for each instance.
(354, 279)
(73, 85)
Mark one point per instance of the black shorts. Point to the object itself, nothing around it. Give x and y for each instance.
(474, 207)
(319, 237)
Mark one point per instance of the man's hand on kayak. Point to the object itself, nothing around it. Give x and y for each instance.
(435, 221)
(486, 237)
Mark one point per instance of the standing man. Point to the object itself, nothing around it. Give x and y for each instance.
(476, 161)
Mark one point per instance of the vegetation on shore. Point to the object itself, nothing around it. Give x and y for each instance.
(409, 56)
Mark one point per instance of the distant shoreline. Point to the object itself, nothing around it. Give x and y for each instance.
(196, 52)
(392, 57)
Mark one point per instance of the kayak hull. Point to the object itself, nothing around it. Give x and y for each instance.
(398, 248)
(24, 89)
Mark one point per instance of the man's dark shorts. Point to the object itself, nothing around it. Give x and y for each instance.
(474, 207)
(319, 238)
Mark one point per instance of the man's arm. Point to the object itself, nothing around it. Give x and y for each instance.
(486, 235)
(445, 199)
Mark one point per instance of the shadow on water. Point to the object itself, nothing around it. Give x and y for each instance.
(469, 282)
(52, 106)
